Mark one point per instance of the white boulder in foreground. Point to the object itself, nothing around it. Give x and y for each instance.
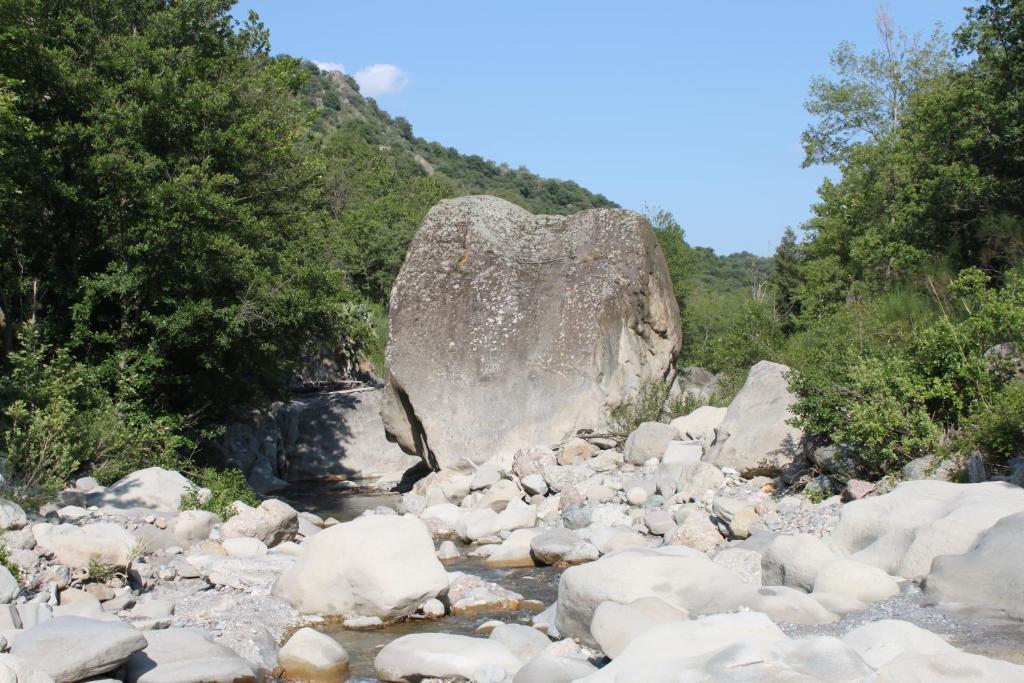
(904, 530)
(377, 565)
(73, 648)
(989, 578)
(443, 655)
(312, 656)
(186, 656)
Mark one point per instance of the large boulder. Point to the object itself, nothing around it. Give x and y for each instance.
(74, 648)
(987, 579)
(377, 565)
(273, 522)
(103, 543)
(510, 330)
(312, 656)
(178, 655)
(153, 488)
(755, 437)
(700, 425)
(335, 434)
(902, 531)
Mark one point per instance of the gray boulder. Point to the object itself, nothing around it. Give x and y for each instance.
(73, 648)
(987, 578)
(186, 656)
(446, 656)
(755, 438)
(153, 488)
(314, 437)
(649, 440)
(273, 522)
(525, 326)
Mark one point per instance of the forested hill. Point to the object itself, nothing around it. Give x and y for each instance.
(338, 104)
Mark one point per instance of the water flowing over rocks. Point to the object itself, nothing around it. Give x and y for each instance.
(509, 330)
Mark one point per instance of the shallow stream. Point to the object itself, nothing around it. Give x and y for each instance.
(335, 500)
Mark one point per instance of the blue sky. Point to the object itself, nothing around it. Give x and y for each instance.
(695, 107)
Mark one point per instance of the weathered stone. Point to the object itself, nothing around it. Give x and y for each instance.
(186, 656)
(880, 642)
(377, 565)
(697, 478)
(525, 642)
(856, 489)
(441, 655)
(73, 648)
(649, 440)
(562, 548)
(534, 484)
(502, 307)
(11, 515)
(576, 451)
(744, 563)
(902, 531)
(514, 551)
(312, 656)
(194, 525)
(795, 561)
(696, 531)
(614, 624)
(755, 436)
(153, 488)
(554, 669)
(855, 580)
(331, 434)
(700, 425)
(273, 522)
(987, 578)
(736, 516)
(79, 546)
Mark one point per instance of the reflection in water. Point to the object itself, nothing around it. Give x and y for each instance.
(335, 499)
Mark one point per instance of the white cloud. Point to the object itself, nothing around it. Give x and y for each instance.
(381, 79)
(330, 66)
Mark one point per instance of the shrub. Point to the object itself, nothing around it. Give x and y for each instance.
(59, 418)
(652, 404)
(225, 486)
(997, 427)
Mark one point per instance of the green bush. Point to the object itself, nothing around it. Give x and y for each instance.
(652, 404)
(225, 486)
(997, 427)
(58, 419)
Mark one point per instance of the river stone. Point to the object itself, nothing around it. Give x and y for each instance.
(697, 478)
(880, 642)
(987, 578)
(695, 531)
(562, 548)
(678, 640)
(273, 522)
(524, 326)
(194, 525)
(514, 551)
(744, 563)
(11, 515)
(478, 524)
(312, 656)
(525, 642)
(153, 488)
(549, 668)
(736, 516)
(78, 546)
(442, 655)
(952, 667)
(699, 425)
(614, 624)
(903, 531)
(9, 587)
(795, 561)
(649, 440)
(186, 656)
(855, 580)
(376, 565)
(755, 437)
(575, 451)
(534, 484)
(73, 648)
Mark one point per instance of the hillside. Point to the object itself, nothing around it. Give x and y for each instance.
(338, 104)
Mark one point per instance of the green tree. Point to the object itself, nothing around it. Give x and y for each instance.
(678, 255)
(174, 225)
(866, 98)
(786, 279)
